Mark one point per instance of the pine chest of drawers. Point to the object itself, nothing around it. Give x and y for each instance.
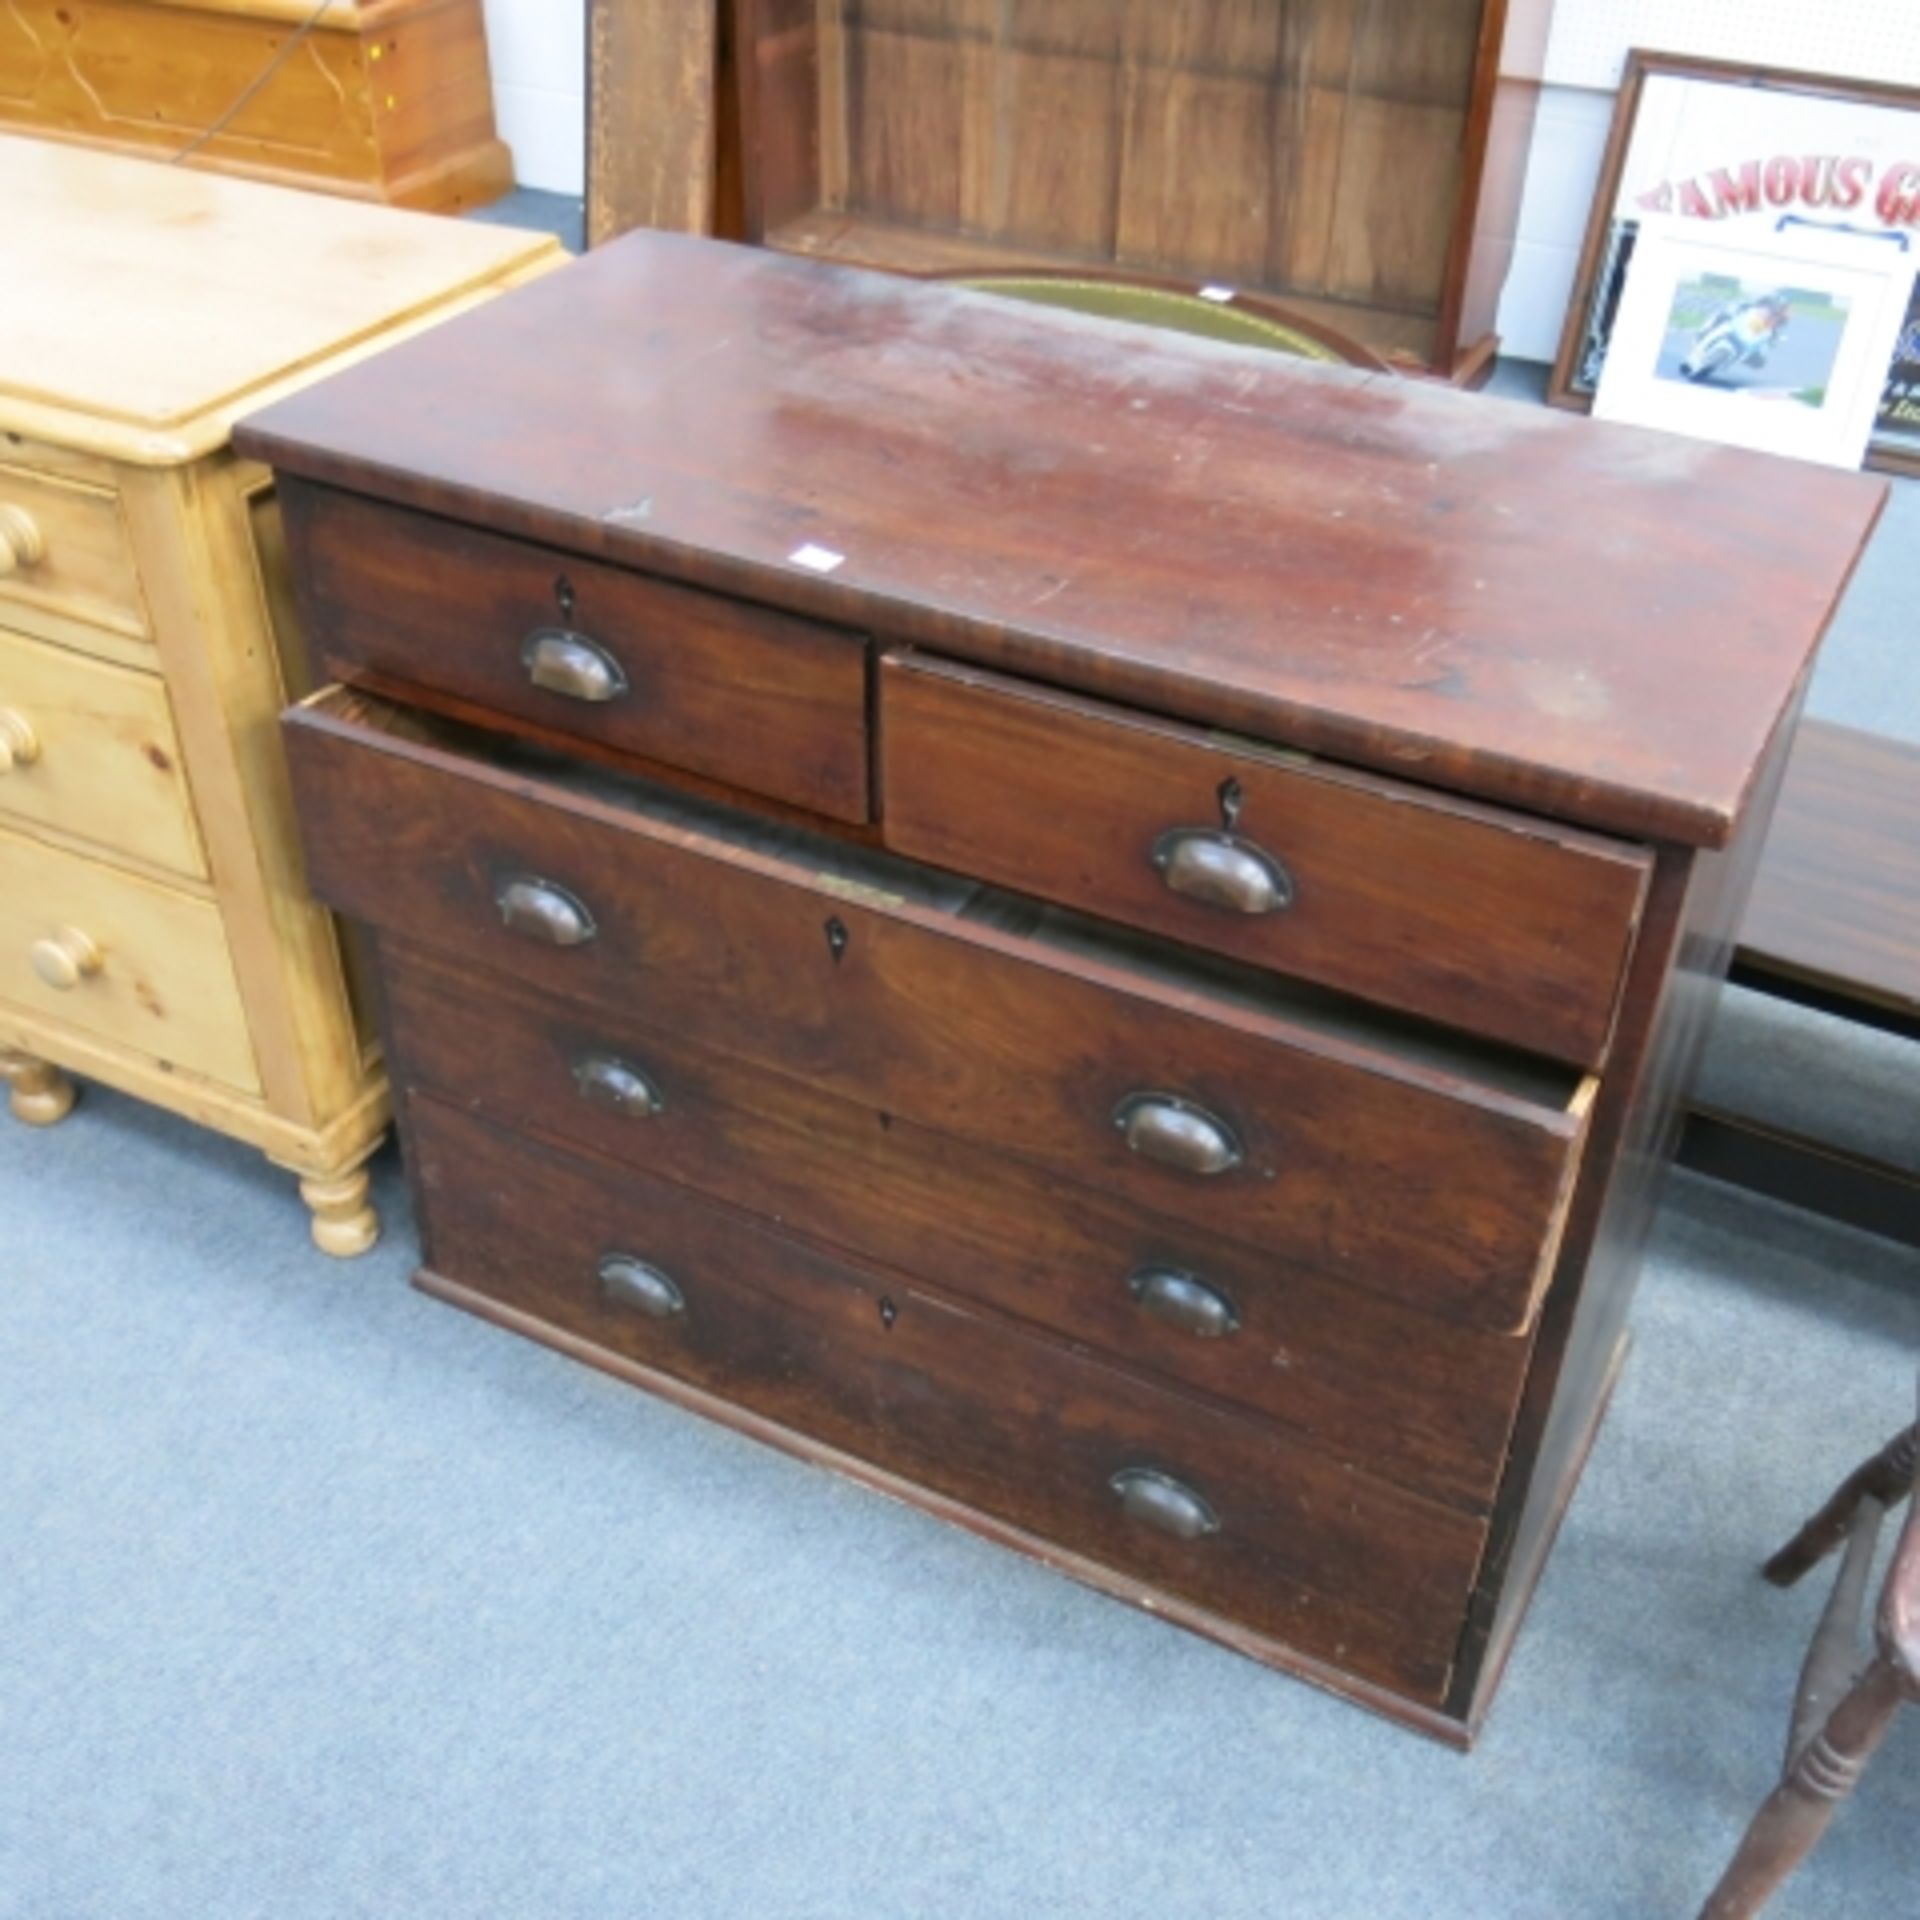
(155, 931)
(1097, 930)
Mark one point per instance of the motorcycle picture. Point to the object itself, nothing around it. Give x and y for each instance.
(1742, 333)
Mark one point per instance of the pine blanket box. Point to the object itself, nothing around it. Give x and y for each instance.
(1100, 930)
(382, 100)
(155, 928)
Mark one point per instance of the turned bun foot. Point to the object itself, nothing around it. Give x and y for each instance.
(42, 1094)
(344, 1223)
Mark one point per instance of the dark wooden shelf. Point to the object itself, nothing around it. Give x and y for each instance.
(1837, 903)
(1330, 156)
(1834, 924)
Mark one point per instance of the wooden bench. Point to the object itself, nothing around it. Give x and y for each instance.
(1833, 924)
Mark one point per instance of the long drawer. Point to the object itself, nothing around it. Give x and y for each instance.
(1238, 1519)
(1376, 1154)
(121, 959)
(89, 749)
(1509, 926)
(1154, 1294)
(564, 646)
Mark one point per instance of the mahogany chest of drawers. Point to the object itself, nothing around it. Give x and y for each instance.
(1098, 930)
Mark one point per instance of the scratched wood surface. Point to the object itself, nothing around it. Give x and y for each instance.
(1599, 622)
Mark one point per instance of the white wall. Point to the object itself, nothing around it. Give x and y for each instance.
(538, 51)
(1563, 168)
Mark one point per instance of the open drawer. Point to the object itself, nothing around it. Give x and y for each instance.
(1378, 1150)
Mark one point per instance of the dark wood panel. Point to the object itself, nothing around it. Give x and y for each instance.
(739, 693)
(775, 46)
(1673, 985)
(1837, 900)
(1307, 1351)
(1361, 1160)
(1511, 927)
(1465, 591)
(1304, 1549)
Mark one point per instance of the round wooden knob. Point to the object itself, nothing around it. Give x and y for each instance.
(20, 541)
(65, 958)
(19, 745)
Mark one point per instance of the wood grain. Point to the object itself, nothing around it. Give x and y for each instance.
(1836, 903)
(745, 695)
(107, 764)
(237, 287)
(148, 644)
(1464, 591)
(390, 102)
(84, 567)
(1694, 904)
(651, 83)
(1306, 1550)
(164, 984)
(1362, 1158)
(1497, 924)
(1322, 151)
(1306, 1353)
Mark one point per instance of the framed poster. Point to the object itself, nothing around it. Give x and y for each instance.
(1746, 148)
(1775, 341)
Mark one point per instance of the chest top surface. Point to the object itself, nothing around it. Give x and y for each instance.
(138, 299)
(1599, 622)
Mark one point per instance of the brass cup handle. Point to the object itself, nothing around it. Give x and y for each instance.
(1184, 1301)
(64, 959)
(1167, 1505)
(628, 1281)
(21, 542)
(561, 661)
(541, 910)
(608, 1082)
(19, 744)
(1176, 1133)
(1222, 870)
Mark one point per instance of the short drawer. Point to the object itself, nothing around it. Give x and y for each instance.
(1411, 1397)
(569, 650)
(1504, 925)
(1378, 1153)
(121, 959)
(1266, 1533)
(65, 549)
(89, 749)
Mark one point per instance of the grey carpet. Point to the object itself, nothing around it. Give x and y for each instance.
(564, 215)
(321, 1600)
(1815, 1075)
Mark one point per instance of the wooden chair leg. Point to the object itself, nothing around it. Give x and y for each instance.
(1796, 1814)
(1833, 1658)
(1888, 1478)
